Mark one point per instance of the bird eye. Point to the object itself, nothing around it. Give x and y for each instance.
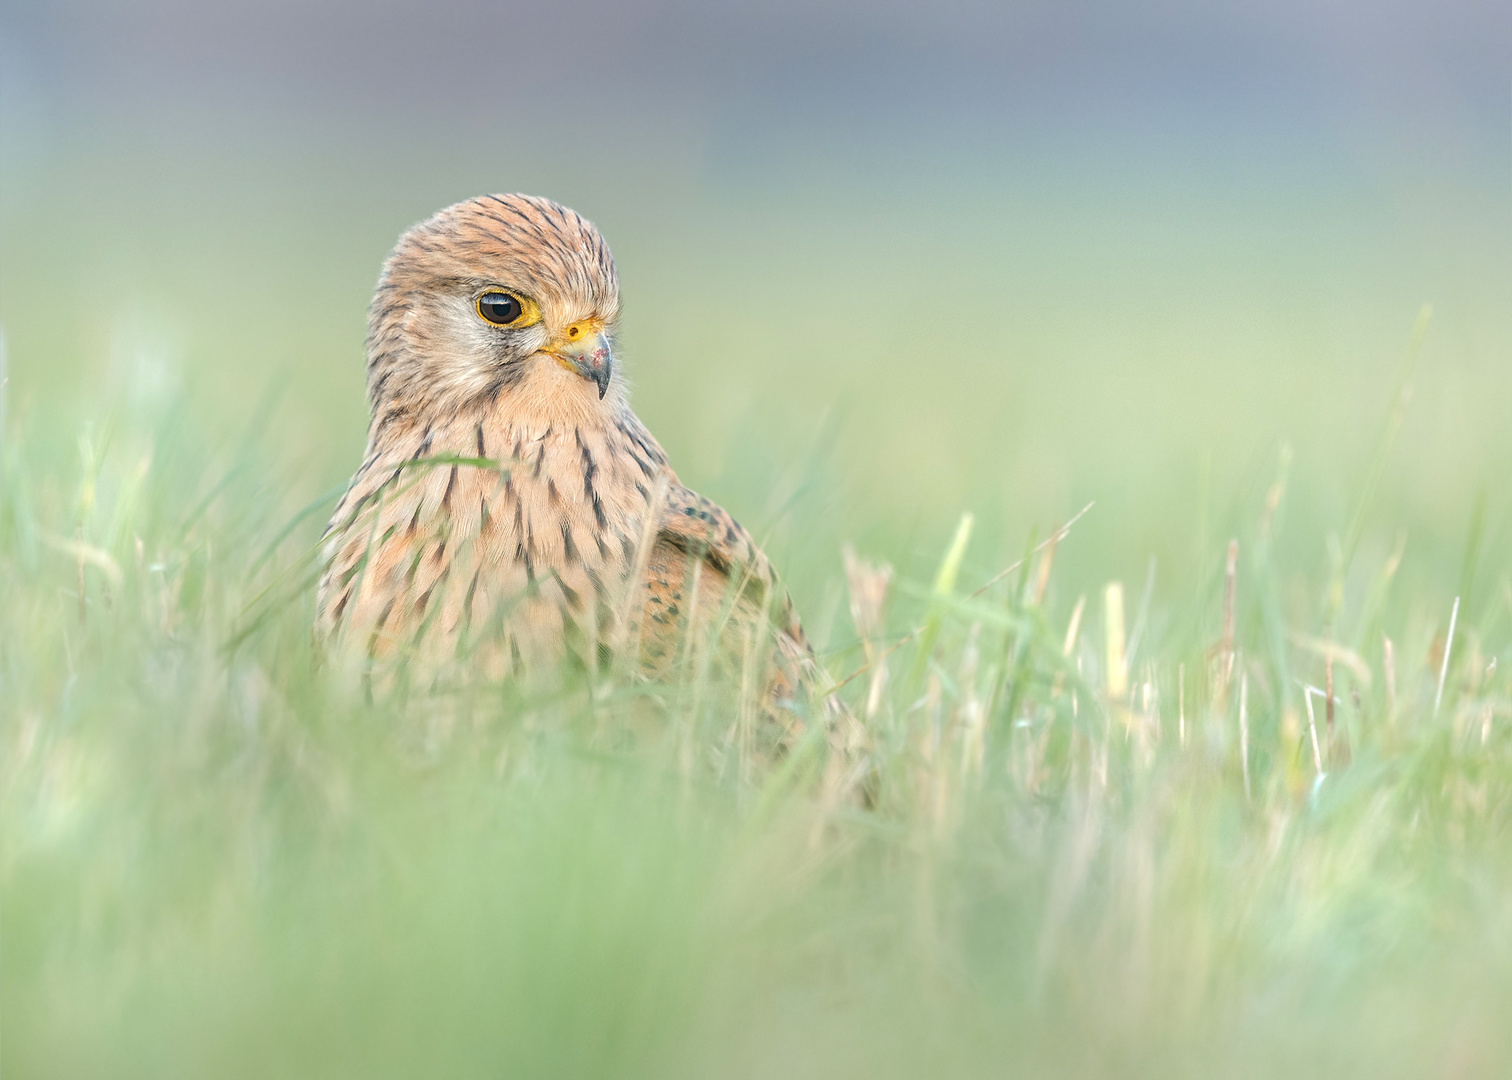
(500, 308)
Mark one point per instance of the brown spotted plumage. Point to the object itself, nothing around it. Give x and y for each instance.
(510, 507)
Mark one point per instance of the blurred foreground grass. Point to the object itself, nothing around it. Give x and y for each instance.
(1112, 836)
(219, 859)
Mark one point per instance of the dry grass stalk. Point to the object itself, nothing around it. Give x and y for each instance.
(1490, 707)
(1225, 658)
(1388, 661)
(876, 689)
(1333, 651)
(1230, 593)
(972, 716)
(1244, 731)
(1438, 697)
(1113, 630)
(1144, 724)
(1328, 691)
(930, 787)
(1312, 727)
(1073, 628)
(1054, 538)
(692, 661)
(1042, 574)
(1181, 703)
(868, 584)
(1103, 750)
(79, 539)
(745, 723)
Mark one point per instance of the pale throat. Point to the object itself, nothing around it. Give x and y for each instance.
(549, 396)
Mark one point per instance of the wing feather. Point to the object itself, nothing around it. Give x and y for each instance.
(693, 528)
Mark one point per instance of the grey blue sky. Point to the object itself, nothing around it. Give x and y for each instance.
(1400, 77)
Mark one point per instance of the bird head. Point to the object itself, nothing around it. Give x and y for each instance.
(505, 300)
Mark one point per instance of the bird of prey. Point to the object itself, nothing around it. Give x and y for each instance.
(510, 507)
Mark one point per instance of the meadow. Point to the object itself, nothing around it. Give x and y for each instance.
(1214, 780)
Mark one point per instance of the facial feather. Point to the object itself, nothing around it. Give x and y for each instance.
(429, 349)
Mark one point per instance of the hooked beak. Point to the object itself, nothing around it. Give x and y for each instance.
(587, 354)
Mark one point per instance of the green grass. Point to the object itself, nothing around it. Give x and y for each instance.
(220, 859)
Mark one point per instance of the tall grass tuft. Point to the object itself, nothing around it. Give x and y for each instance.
(221, 857)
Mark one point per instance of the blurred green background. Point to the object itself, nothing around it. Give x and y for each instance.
(1004, 259)
(882, 264)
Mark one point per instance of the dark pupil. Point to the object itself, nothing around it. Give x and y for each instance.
(499, 307)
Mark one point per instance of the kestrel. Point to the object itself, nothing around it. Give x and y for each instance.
(510, 507)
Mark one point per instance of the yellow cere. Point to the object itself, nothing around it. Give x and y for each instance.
(584, 328)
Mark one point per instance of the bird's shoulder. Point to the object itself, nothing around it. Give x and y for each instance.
(702, 527)
(686, 520)
(695, 527)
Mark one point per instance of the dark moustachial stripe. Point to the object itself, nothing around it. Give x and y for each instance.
(506, 376)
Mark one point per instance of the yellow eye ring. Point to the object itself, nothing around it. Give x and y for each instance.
(500, 308)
